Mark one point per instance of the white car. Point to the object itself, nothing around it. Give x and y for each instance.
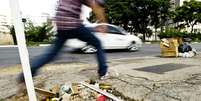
(115, 38)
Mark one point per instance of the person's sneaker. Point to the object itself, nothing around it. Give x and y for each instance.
(110, 74)
(105, 77)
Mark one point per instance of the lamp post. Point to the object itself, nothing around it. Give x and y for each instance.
(24, 56)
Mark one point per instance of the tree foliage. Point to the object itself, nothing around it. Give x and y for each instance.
(38, 33)
(33, 33)
(172, 32)
(189, 14)
(136, 15)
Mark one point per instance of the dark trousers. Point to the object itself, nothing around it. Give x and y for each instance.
(80, 33)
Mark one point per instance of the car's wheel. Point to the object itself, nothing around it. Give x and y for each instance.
(89, 49)
(133, 47)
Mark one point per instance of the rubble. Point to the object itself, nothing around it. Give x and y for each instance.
(83, 91)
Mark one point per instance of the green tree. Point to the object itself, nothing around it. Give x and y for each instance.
(35, 33)
(160, 13)
(189, 14)
(38, 33)
(137, 15)
(12, 32)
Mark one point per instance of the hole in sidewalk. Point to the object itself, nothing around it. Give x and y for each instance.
(161, 69)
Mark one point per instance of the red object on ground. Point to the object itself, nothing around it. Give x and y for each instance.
(101, 98)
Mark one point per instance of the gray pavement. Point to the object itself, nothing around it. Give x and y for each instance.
(9, 56)
(176, 79)
(140, 77)
(143, 79)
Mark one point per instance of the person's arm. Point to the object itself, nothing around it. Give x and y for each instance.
(99, 12)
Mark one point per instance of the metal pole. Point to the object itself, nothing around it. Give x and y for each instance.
(24, 56)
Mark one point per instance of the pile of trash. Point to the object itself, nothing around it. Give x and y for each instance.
(82, 91)
(186, 51)
(176, 48)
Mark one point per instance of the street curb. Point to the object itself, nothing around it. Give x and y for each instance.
(10, 46)
(44, 45)
(6, 46)
(144, 57)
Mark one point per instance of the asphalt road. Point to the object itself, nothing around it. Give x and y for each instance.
(10, 56)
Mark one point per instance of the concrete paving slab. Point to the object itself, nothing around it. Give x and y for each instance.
(180, 84)
(161, 69)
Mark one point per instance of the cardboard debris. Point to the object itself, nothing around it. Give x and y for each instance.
(83, 91)
(45, 92)
(55, 89)
(74, 88)
(169, 47)
(105, 86)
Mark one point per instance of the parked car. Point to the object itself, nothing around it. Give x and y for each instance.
(114, 38)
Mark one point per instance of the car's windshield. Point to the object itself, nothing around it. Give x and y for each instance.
(111, 29)
(123, 30)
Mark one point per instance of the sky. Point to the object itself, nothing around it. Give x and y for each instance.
(4, 5)
(33, 7)
(30, 7)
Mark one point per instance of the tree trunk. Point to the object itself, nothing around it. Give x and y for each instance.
(161, 28)
(14, 39)
(155, 34)
(192, 26)
(12, 32)
(144, 37)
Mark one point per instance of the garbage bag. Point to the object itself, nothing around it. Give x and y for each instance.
(184, 48)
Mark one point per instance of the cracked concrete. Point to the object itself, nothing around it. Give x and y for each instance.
(176, 85)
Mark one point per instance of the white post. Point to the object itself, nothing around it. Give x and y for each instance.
(24, 56)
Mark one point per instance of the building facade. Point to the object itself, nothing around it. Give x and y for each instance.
(4, 23)
(5, 37)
